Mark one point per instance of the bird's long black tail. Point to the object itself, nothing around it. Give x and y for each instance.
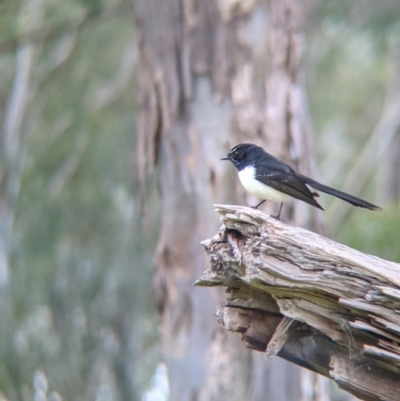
(339, 194)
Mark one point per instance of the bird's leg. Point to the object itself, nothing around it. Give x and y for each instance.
(256, 207)
(278, 216)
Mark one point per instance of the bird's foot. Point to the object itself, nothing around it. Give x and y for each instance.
(278, 216)
(256, 207)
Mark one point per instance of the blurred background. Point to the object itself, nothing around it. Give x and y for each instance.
(78, 319)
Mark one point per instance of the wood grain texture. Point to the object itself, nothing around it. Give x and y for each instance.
(345, 303)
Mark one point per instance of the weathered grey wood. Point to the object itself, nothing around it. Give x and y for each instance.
(346, 303)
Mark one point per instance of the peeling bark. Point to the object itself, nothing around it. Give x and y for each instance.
(338, 309)
(212, 74)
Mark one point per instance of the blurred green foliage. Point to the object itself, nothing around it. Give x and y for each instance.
(375, 233)
(80, 305)
(78, 311)
(351, 79)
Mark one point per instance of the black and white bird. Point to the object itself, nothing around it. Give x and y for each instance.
(268, 178)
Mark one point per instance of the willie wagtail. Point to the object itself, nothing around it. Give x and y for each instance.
(266, 177)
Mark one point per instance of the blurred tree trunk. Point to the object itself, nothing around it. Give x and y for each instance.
(212, 74)
(389, 160)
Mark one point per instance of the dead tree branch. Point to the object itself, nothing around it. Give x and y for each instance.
(308, 299)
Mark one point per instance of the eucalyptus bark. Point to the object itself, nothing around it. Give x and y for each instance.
(213, 74)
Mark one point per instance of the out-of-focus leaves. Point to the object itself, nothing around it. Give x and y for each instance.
(348, 77)
(375, 233)
(81, 306)
(8, 18)
(82, 313)
(93, 6)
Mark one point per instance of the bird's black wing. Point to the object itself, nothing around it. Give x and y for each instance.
(282, 177)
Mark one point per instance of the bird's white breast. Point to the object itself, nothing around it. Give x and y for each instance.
(257, 188)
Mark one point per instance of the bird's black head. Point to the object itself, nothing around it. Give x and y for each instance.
(243, 155)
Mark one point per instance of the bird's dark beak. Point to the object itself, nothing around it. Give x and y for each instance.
(226, 158)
